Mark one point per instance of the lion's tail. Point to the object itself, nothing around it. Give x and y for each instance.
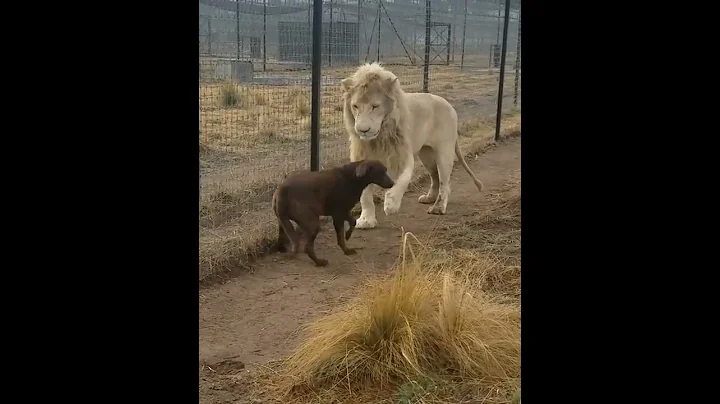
(460, 157)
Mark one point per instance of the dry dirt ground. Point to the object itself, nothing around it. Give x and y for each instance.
(255, 317)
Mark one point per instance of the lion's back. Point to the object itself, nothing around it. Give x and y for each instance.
(431, 116)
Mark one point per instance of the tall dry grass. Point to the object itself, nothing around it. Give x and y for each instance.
(420, 333)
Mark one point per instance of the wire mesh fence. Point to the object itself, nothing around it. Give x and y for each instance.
(255, 91)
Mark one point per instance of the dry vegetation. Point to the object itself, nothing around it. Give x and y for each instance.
(443, 328)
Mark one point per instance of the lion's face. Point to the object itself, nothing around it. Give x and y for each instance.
(369, 106)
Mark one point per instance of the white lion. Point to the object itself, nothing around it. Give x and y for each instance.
(390, 125)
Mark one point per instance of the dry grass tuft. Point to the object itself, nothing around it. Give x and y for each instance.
(259, 98)
(302, 107)
(421, 327)
(230, 95)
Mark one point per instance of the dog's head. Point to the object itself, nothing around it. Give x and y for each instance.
(374, 172)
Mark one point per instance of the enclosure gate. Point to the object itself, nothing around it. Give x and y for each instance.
(440, 43)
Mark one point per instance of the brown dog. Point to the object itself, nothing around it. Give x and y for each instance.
(304, 197)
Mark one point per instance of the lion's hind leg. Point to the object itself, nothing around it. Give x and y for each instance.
(427, 156)
(445, 158)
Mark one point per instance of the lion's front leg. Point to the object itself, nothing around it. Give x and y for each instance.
(393, 197)
(367, 218)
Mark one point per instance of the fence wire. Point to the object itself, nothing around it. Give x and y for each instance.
(255, 86)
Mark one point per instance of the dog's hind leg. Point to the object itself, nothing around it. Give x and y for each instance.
(287, 232)
(339, 223)
(311, 227)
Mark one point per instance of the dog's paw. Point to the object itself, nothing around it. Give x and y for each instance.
(392, 203)
(427, 198)
(350, 251)
(365, 223)
(436, 210)
(321, 262)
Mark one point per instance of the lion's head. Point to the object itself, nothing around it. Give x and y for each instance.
(370, 99)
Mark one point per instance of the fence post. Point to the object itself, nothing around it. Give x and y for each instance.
(427, 46)
(209, 37)
(448, 46)
(316, 63)
(454, 8)
(330, 42)
(517, 60)
(462, 56)
(359, 24)
(379, 20)
(498, 118)
(264, 33)
(237, 26)
(199, 134)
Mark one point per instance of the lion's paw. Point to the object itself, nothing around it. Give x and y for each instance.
(392, 203)
(426, 199)
(365, 223)
(436, 210)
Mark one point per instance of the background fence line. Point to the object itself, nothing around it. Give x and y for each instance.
(258, 85)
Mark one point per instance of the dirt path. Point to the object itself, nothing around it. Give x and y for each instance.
(254, 318)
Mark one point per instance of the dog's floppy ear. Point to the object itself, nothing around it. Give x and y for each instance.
(361, 169)
(347, 83)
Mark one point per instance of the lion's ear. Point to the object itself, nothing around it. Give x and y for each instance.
(361, 169)
(347, 83)
(390, 82)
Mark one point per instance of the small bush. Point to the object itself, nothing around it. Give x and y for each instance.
(303, 108)
(259, 98)
(229, 95)
(411, 326)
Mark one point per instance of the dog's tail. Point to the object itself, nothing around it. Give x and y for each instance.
(280, 210)
(460, 157)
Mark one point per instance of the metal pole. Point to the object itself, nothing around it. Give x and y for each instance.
(378, 39)
(237, 26)
(497, 38)
(452, 26)
(316, 75)
(264, 33)
(209, 37)
(427, 46)
(359, 19)
(448, 47)
(498, 118)
(462, 56)
(517, 61)
(199, 134)
(330, 35)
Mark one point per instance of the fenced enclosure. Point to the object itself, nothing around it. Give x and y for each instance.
(255, 91)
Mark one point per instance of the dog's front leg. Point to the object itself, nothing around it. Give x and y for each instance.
(352, 222)
(339, 223)
(393, 197)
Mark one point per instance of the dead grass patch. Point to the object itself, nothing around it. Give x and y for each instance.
(230, 95)
(424, 332)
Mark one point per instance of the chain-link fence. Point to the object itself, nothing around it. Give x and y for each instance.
(255, 91)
